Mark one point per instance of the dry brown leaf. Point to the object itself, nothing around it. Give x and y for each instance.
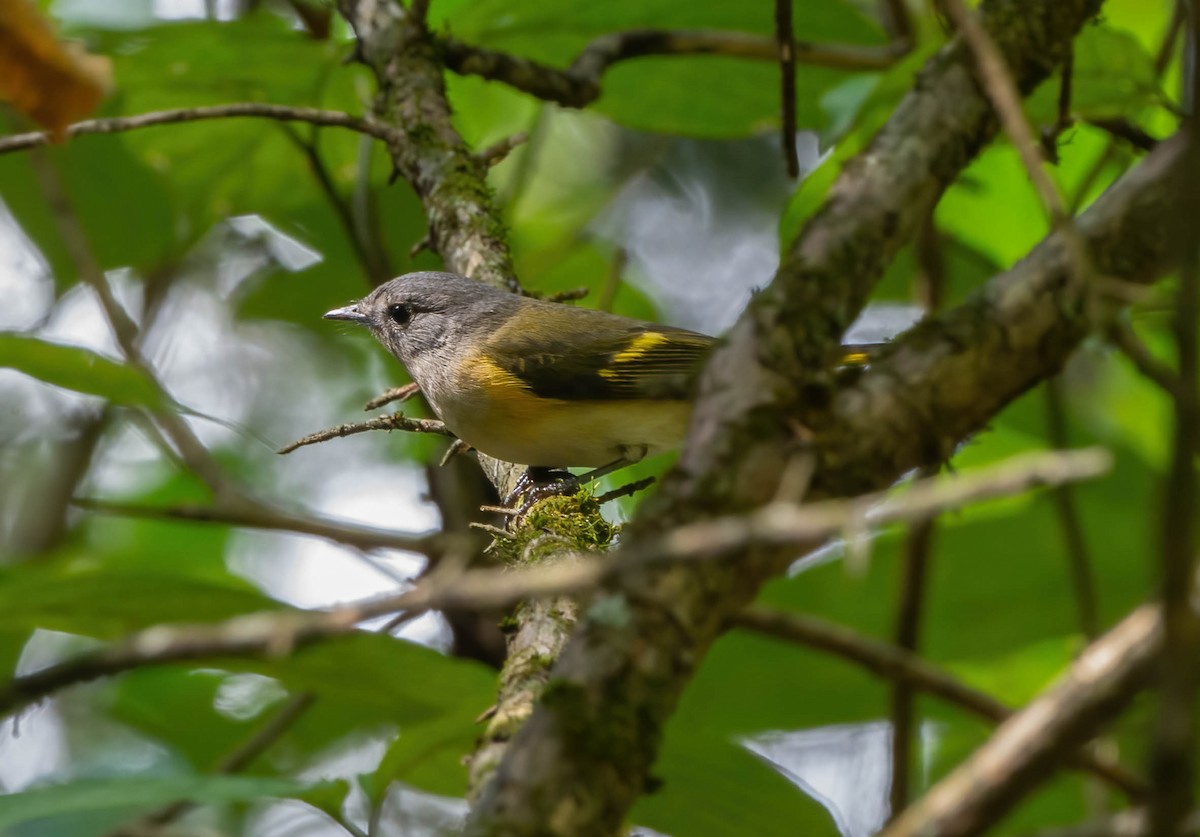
(52, 82)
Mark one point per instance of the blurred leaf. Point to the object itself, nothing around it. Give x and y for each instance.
(1113, 75)
(52, 82)
(420, 746)
(247, 165)
(81, 370)
(406, 681)
(221, 718)
(12, 643)
(709, 96)
(855, 119)
(713, 786)
(152, 700)
(328, 796)
(101, 796)
(98, 174)
(105, 603)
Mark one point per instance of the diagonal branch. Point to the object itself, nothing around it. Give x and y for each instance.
(449, 588)
(947, 378)
(1028, 746)
(905, 667)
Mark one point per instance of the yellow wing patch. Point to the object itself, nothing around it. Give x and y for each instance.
(638, 348)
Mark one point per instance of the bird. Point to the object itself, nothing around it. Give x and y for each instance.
(537, 383)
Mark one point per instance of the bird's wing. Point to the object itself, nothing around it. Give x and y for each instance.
(601, 358)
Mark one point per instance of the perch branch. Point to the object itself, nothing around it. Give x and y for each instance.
(396, 421)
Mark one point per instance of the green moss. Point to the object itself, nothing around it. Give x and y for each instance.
(565, 521)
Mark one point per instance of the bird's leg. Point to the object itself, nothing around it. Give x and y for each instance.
(538, 483)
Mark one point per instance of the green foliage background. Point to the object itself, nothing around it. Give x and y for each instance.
(154, 204)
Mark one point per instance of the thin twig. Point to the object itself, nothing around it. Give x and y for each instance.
(1051, 133)
(1123, 337)
(612, 282)
(263, 517)
(1002, 92)
(625, 490)
(173, 426)
(930, 289)
(1132, 822)
(917, 552)
(285, 113)
(1166, 50)
(579, 85)
(1125, 130)
(785, 38)
(499, 151)
(896, 20)
(401, 393)
(608, 49)
(902, 666)
(569, 295)
(1079, 562)
(241, 756)
(396, 421)
(373, 264)
(236, 760)
(1029, 745)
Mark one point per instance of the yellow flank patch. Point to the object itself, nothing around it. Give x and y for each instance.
(856, 359)
(638, 347)
(504, 390)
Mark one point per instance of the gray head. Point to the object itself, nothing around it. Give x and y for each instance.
(424, 318)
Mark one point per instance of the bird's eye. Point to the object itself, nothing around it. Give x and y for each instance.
(400, 314)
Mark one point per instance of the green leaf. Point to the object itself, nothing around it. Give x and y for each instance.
(122, 203)
(328, 796)
(1112, 75)
(713, 786)
(106, 603)
(103, 796)
(152, 700)
(406, 681)
(78, 369)
(709, 96)
(224, 167)
(426, 755)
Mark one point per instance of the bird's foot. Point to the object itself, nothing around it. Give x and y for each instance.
(537, 484)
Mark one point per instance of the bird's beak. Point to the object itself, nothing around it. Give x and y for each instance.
(350, 313)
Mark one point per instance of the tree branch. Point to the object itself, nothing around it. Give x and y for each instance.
(264, 517)
(579, 85)
(449, 588)
(786, 45)
(905, 667)
(465, 228)
(396, 421)
(1027, 747)
(945, 379)
(285, 113)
